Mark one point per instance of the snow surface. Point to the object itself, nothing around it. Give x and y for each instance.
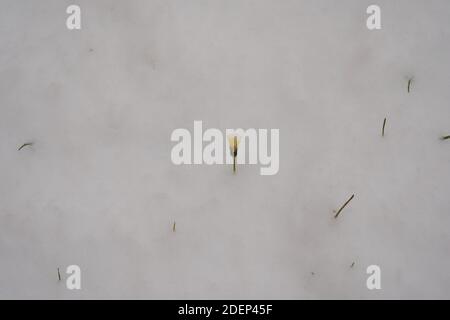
(98, 188)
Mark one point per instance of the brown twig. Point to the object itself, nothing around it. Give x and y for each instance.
(59, 275)
(384, 126)
(339, 211)
(28, 144)
(174, 226)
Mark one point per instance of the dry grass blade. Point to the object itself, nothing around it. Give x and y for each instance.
(343, 206)
(28, 144)
(409, 85)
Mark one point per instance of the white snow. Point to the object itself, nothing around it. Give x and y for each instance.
(98, 188)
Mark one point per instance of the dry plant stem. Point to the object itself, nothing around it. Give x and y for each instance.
(25, 145)
(445, 137)
(174, 227)
(353, 264)
(339, 211)
(234, 153)
(409, 85)
(384, 126)
(59, 275)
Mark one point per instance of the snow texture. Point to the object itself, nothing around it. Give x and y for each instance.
(98, 189)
